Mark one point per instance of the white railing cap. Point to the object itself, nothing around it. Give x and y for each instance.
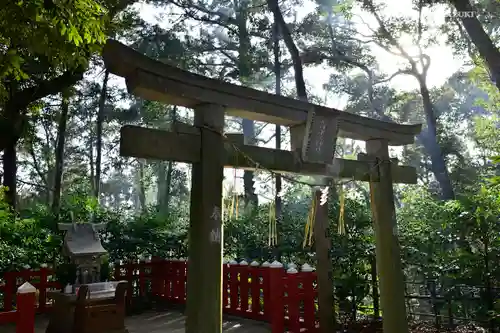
(254, 263)
(292, 271)
(266, 264)
(276, 264)
(26, 288)
(233, 262)
(243, 263)
(307, 268)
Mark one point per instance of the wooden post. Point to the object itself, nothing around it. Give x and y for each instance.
(26, 297)
(392, 297)
(375, 296)
(204, 291)
(324, 268)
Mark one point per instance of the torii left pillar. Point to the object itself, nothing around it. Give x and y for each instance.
(204, 276)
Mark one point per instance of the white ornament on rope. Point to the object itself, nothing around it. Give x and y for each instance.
(324, 196)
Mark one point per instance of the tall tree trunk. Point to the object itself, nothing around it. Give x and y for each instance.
(487, 49)
(300, 84)
(244, 70)
(91, 164)
(164, 174)
(160, 185)
(432, 146)
(141, 186)
(100, 122)
(277, 199)
(12, 124)
(419, 69)
(10, 138)
(59, 153)
(248, 175)
(327, 315)
(429, 141)
(170, 168)
(10, 171)
(296, 132)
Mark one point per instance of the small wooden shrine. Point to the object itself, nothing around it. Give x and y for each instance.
(82, 245)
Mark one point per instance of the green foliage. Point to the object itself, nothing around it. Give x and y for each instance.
(24, 240)
(60, 34)
(453, 242)
(32, 238)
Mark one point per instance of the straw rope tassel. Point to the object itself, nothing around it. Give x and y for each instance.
(309, 227)
(341, 224)
(273, 239)
(231, 206)
(237, 206)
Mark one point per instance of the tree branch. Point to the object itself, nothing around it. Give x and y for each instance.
(21, 99)
(292, 48)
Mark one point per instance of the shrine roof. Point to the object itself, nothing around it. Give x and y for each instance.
(158, 81)
(82, 238)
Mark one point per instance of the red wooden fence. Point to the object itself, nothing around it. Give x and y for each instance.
(24, 315)
(253, 291)
(42, 279)
(284, 298)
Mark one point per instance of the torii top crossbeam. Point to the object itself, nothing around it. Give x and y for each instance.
(155, 80)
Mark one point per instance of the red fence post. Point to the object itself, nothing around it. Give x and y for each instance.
(308, 278)
(169, 280)
(163, 271)
(233, 287)
(142, 273)
(42, 288)
(243, 269)
(293, 299)
(276, 307)
(225, 285)
(182, 280)
(10, 284)
(255, 290)
(176, 280)
(129, 276)
(266, 293)
(155, 276)
(26, 297)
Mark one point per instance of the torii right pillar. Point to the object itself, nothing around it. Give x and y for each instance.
(390, 271)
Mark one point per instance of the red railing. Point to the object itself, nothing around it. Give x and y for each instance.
(284, 298)
(270, 290)
(24, 314)
(42, 279)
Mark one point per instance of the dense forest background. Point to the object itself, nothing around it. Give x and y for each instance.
(61, 114)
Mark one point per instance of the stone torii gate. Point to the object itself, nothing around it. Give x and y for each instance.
(205, 146)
